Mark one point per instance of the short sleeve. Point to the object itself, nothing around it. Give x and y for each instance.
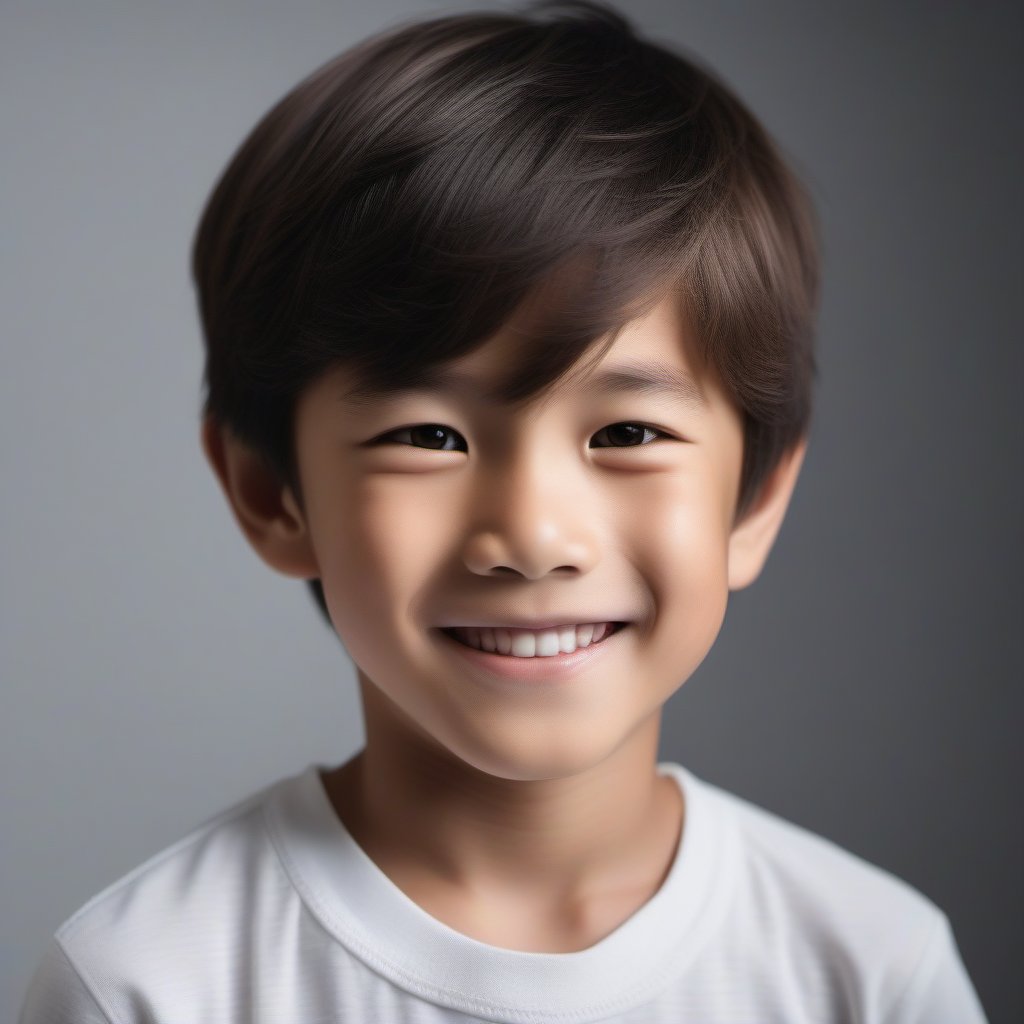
(940, 991)
(58, 995)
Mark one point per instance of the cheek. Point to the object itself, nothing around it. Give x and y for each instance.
(377, 549)
(683, 555)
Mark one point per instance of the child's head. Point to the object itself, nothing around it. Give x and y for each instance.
(524, 199)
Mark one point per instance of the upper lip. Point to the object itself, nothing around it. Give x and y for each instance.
(549, 622)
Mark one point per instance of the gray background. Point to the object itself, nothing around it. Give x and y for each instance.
(153, 670)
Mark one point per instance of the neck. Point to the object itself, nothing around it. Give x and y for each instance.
(420, 812)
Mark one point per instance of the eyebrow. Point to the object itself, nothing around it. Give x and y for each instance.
(646, 377)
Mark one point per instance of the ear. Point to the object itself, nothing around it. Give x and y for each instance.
(752, 538)
(264, 507)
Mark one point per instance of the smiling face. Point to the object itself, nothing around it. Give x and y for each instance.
(426, 510)
(610, 498)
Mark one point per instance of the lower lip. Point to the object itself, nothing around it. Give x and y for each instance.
(539, 670)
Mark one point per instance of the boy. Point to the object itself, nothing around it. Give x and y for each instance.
(508, 324)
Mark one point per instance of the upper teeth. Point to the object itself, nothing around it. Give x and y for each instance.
(532, 643)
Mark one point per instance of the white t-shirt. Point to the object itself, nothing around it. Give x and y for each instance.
(272, 913)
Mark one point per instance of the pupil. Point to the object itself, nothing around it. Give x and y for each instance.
(633, 436)
(432, 436)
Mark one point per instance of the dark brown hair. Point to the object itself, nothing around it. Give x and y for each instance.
(395, 208)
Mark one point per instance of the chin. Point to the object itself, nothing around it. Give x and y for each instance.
(535, 761)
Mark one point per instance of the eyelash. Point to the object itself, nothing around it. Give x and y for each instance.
(384, 438)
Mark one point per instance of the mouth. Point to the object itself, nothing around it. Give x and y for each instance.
(533, 643)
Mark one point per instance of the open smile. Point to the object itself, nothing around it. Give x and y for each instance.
(533, 643)
(532, 667)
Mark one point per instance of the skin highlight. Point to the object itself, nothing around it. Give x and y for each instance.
(527, 816)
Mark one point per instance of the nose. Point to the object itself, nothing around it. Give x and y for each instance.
(529, 518)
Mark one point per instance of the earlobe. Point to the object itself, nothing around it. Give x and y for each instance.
(752, 538)
(263, 506)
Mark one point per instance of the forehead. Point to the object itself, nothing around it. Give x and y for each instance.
(654, 355)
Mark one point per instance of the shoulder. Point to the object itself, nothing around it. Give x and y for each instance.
(188, 903)
(842, 926)
(828, 886)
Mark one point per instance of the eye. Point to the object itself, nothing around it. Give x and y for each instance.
(631, 434)
(437, 437)
(425, 435)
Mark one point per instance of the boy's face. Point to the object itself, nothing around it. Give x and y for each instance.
(538, 513)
